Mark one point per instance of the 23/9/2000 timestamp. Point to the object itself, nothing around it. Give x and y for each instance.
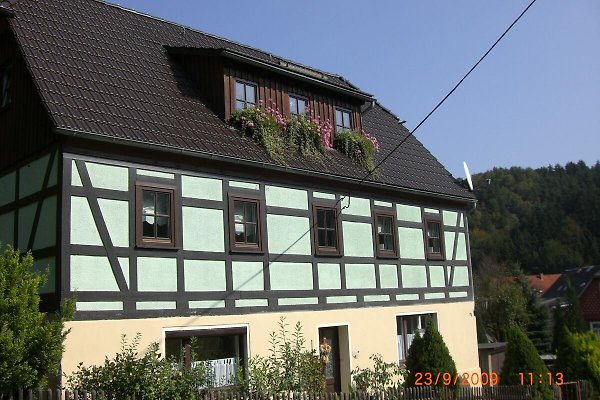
(529, 378)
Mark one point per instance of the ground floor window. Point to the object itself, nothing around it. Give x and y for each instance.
(222, 351)
(595, 327)
(407, 327)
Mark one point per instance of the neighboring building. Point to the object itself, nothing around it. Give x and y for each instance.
(542, 282)
(586, 282)
(119, 171)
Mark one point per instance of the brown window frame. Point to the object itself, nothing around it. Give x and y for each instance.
(296, 98)
(140, 239)
(393, 253)
(6, 85)
(244, 100)
(234, 246)
(342, 127)
(327, 250)
(433, 218)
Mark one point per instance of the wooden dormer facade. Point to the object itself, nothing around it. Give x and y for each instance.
(216, 72)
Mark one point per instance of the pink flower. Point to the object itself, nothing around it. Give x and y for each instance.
(251, 124)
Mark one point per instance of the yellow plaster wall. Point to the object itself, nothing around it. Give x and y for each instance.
(370, 330)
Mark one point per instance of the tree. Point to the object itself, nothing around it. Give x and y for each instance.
(31, 342)
(500, 303)
(567, 315)
(538, 327)
(522, 357)
(430, 354)
(578, 357)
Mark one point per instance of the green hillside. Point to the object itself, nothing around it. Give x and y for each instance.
(545, 219)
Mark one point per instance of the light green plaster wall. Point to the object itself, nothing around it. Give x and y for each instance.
(358, 239)
(8, 185)
(329, 276)
(207, 304)
(290, 276)
(46, 266)
(83, 227)
(124, 264)
(75, 177)
(203, 275)
(26, 217)
(252, 303)
(157, 274)
(411, 296)
(461, 276)
(284, 197)
(156, 174)
(31, 176)
(437, 276)
(414, 276)
(203, 229)
(360, 276)
(457, 294)
(92, 273)
(244, 185)
(156, 305)
(388, 276)
(356, 206)
(291, 301)
(247, 275)
(382, 297)
(53, 178)
(411, 243)
(201, 188)
(108, 176)
(461, 247)
(431, 210)
(450, 218)
(408, 213)
(382, 203)
(340, 299)
(434, 296)
(45, 235)
(116, 214)
(288, 235)
(326, 196)
(99, 306)
(7, 226)
(449, 244)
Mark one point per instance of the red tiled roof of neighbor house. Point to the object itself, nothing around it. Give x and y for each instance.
(542, 282)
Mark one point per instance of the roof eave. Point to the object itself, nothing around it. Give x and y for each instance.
(213, 156)
(6, 13)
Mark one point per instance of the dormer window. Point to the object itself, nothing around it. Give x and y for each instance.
(297, 105)
(245, 94)
(342, 120)
(5, 94)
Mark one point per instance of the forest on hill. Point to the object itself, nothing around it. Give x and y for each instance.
(544, 220)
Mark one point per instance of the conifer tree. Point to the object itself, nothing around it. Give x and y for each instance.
(31, 342)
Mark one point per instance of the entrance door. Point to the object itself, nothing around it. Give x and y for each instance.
(328, 337)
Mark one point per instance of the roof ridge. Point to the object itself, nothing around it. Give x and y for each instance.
(143, 14)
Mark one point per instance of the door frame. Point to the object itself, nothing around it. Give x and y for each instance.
(345, 376)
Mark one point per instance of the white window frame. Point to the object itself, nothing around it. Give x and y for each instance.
(412, 314)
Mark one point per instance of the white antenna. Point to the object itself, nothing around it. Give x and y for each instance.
(468, 175)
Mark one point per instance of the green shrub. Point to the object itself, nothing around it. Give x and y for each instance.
(429, 354)
(288, 367)
(304, 135)
(382, 376)
(578, 357)
(31, 343)
(358, 147)
(263, 127)
(522, 357)
(148, 377)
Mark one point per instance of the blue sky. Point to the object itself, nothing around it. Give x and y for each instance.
(535, 101)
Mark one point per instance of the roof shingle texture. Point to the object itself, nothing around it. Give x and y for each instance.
(103, 70)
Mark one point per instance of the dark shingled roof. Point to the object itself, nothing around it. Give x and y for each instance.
(579, 277)
(103, 71)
